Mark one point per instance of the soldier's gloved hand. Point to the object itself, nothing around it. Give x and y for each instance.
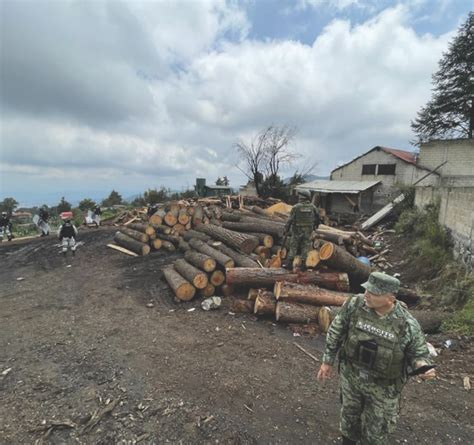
(428, 375)
(325, 372)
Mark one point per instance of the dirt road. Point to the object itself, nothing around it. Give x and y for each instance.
(82, 339)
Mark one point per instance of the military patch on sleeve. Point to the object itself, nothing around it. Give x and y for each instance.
(366, 327)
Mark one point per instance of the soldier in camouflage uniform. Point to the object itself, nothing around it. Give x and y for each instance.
(303, 219)
(378, 342)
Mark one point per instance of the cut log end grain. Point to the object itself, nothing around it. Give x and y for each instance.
(312, 259)
(326, 251)
(200, 260)
(182, 289)
(156, 243)
(208, 291)
(155, 219)
(217, 278)
(324, 318)
(252, 294)
(192, 274)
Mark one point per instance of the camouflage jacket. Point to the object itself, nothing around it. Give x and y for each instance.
(292, 219)
(412, 342)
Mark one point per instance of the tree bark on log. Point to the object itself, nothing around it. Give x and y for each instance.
(208, 291)
(217, 278)
(261, 226)
(267, 277)
(182, 289)
(145, 228)
(200, 260)
(198, 216)
(296, 313)
(339, 259)
(135, 234)
(239, 259)
(196, 277)
(331, 237)
(166, 245)
(131, 244)
(160, 228)
(264, 239)
(265, 303)
(308, 294)
(430, 321)
(237, 240)
(195, 234)
(263, 252)
(172, 239)
(221, 259)
(242, 306)
(230, 217)
(183, 246)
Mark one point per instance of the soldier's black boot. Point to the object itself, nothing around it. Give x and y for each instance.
(73, 253)
(346, 441)
(64, 254)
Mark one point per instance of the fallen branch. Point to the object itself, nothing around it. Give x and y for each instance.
(306, 352)
(99, 414)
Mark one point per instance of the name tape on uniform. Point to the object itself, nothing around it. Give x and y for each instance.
(375, 330)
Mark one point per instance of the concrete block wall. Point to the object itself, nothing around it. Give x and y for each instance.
(456, 213)
(459, 154)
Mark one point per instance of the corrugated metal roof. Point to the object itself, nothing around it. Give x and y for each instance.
(337, 186)
(404, 155)
(218, 187)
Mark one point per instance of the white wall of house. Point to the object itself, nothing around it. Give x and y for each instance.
(405, 174)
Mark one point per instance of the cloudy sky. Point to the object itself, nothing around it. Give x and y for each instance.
(129, 95)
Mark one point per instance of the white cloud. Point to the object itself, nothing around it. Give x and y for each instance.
(163, 90)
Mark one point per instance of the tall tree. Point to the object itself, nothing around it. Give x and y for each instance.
(86, 204)
(450, 112)
(63, 206)
(8, 205)
(266, 153)
(113, 199)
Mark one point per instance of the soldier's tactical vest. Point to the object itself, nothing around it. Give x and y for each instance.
(67, 231)
(304, 216)
(373, 344)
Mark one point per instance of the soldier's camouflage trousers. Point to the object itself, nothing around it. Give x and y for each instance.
(68, 242)
(369, 411)
(299, 243)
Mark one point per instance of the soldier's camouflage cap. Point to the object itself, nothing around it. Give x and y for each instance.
(380, 283)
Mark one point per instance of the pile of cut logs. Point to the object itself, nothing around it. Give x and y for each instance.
(238, 254)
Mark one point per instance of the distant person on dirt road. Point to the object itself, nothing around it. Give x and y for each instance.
(97, 215)
(5, 227)
(303, 219)
(43, 221)
(379, 344)
(67, 234)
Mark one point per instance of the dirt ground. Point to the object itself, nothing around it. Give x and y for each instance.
(105, 335)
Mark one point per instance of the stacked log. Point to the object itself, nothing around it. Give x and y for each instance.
(267, 277)
(222, 259)
(237, 240)
(131, 244)
(192, 274)
(183, 290)
(309, 294)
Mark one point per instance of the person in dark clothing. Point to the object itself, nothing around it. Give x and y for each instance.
(67, 235)
(43, 221)
(151, 209)
(97, 215)
(5, 227)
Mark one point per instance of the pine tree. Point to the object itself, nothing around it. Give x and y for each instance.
(450, 112)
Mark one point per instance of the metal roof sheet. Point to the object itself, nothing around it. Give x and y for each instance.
(337, 186)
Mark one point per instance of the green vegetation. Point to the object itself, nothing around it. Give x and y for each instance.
(8, 205)
(431, 255)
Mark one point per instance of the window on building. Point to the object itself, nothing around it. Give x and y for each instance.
(368, 169)
(386, 169)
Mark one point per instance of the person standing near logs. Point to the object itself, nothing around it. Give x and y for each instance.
(379, 344)
(303, 219)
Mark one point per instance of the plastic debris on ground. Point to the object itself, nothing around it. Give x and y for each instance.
(211, 303)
